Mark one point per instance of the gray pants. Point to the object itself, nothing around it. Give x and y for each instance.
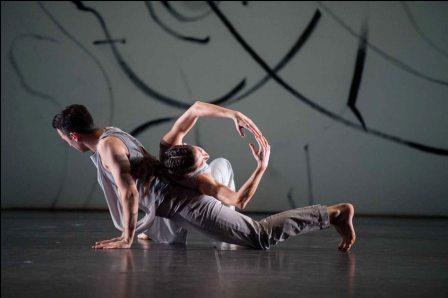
(164, 230)
(209, 216)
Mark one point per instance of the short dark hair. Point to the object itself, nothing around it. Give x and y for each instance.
(74, 118)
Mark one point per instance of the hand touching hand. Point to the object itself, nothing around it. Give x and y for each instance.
(263, 153)
(242, 121)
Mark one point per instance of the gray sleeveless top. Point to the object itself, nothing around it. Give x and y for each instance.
(159, 190)
(107, 182)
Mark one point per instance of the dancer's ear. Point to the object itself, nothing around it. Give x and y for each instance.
(74, 136)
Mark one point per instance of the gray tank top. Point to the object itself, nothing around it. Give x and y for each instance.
(159, 191)
(107, 182)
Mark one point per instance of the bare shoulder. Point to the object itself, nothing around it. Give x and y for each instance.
(113, 152)
(205, 181)
(111, 146)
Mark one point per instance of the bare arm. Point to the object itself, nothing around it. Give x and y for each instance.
(114, 156)
(207, 185)
(201, 109)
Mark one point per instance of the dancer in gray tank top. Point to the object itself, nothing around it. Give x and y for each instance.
(179, 186)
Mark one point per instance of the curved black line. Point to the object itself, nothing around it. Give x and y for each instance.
(308, 172)
(16, 67)
(420, 32)
(303, 38)
(170, 31)
(357, 75)
(340, 113)
(40, 95)
(299, 96)
(98, 42)
(382, 53)
(95, 60)
(181, 17)
(137, 81)
(97, 63)
(142, 127)
(291, 199)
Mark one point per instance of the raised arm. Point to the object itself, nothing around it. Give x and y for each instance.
(114, 157)
(207, 185)
(201, 109)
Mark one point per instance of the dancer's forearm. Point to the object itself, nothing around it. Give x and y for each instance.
(130, 213)
(247, 191)
(209, 186)
(203, 109)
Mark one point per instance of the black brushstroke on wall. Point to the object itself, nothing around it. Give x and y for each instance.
(383, 53)
(180, 17)
(142, 127)
(303, 38)
(137, 81)
(312, 104)
(41, 95)
(357, 74)
(89, 54)
(420, 32)
(98, 42)
(190, 93)
(292, 204)
(340, 113)
(96, 62)
(172, 32)
(310, 178)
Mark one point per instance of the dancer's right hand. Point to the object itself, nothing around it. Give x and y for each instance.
(263, 153)
(116, 239)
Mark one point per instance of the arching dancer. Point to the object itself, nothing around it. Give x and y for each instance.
(182, 191)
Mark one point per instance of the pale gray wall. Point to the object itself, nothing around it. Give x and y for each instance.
(378, 176)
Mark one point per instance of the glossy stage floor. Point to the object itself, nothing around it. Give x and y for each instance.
(48, 254)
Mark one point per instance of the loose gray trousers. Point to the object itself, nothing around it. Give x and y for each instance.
(209, 216)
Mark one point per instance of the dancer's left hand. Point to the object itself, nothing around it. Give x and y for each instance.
(242, 121)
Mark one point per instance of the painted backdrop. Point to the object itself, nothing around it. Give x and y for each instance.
(351, 96)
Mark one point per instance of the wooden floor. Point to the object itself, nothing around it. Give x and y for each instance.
(48, 255)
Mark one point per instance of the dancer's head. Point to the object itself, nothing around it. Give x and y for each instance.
(181, 160)
(73, 123)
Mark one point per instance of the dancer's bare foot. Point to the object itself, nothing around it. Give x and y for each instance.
(143, 236)
(341, 216)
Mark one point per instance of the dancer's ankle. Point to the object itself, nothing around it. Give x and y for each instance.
(333, 214)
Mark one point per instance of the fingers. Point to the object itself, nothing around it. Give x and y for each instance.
(262, 141)
(250, 125)
(252, 148)
(240, 130)
(107, 241)
(108, 245)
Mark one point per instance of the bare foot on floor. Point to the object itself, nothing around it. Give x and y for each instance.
(343, 223)
(143, 236)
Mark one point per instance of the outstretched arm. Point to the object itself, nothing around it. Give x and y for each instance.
(208, 186)
(201, 109)
(114, 157)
